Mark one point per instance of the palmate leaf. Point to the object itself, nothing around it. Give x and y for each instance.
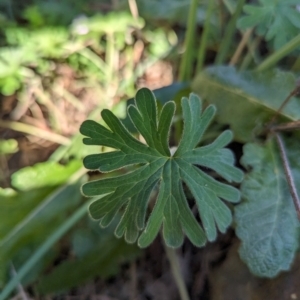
(278, 20)
(157, 166)
(266, 220)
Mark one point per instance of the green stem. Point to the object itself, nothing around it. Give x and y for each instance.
(204, 37)
(175, 267)
(187, 58)
(229, 32)
(279, 54)
(95, 59)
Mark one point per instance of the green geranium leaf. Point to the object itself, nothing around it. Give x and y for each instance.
(156, 164)
(278, 20)
(266, 221)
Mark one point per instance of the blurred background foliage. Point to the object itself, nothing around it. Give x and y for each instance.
(61, 62)
(64, 61)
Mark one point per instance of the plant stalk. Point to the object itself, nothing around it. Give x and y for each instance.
(238, 52)
(250, 54)
(133, 9)
(288, 174)
(293, 93)
(41, 133)
(279, 54)
(187, 58)
(175, 267)
(287, 126)
(229, 32)
(204, 37)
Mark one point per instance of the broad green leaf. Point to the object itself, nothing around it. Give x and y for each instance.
(247, 100)
(156, 166)
(266, 220)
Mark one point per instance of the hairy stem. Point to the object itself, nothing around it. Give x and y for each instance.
(288, 173)
(133, 281)
(175, 267)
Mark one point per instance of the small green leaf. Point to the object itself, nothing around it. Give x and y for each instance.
(156, 166)
(266, 220)
(277, 20)
(47, 173)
